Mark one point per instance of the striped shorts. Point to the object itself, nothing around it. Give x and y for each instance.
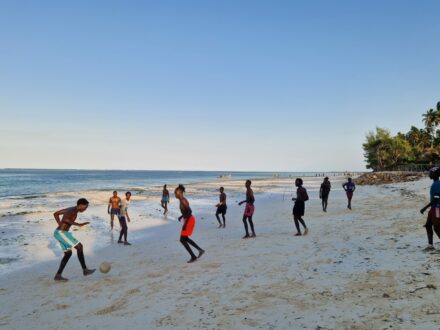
(66, 239)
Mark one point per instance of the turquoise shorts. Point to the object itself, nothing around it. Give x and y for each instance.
(66, 239)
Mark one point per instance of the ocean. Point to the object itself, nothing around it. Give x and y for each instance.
(26, 183)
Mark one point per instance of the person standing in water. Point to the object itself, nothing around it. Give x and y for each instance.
(165, 199)
(324, 192)
(249, 209)
(433, 220)
(221, 208)
(113, 207)
(299, 207)
(66, 239)
(349, 188)
(123, 218)
(189, 222)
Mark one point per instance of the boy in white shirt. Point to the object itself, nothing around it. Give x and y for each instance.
(124, 217)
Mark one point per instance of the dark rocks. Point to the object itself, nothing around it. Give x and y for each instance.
(378, 178)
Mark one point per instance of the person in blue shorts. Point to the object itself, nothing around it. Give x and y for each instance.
(165, 199)
(433, 220)
(66, 239)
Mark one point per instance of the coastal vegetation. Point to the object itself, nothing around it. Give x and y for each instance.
(418, 147)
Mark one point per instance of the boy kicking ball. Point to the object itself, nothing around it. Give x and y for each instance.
(66, 239)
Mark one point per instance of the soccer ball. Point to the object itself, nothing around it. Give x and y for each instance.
(105, 267)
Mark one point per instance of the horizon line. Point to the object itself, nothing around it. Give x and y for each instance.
(195, 170)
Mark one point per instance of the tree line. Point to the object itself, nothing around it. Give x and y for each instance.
(384, 151)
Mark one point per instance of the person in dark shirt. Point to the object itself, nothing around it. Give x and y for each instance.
(299, 207)
(324, 192)
(433, 220)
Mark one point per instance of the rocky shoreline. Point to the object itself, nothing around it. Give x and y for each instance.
(379, 178)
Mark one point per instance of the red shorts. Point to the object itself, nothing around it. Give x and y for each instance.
(349, 194)
(249, 210)
(190, 224)
(434, 214)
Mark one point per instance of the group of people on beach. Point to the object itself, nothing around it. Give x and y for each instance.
(119, 207)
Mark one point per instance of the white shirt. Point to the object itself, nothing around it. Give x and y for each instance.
(124, 207)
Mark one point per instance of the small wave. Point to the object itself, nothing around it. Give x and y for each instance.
(23, 197)
(9, 214)
(5, 261)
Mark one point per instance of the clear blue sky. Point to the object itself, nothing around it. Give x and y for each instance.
(206, 85)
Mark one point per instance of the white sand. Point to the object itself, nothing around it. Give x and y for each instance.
(359, 269)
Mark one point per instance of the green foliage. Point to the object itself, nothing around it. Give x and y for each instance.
(383, 151)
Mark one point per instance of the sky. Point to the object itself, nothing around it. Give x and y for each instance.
(211, 85)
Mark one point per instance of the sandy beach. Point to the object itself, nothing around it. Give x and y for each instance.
(359, 269)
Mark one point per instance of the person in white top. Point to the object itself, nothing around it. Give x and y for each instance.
(124, 217)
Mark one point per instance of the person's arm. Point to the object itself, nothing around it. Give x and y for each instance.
(67, 220)
(249, 197)
(425, 208)
(109, 204)
(320, 192)
(126, 213)
(344, 186)
(354, 187)
(73, 223)
(57, 214)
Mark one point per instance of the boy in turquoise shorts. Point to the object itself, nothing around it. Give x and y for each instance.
(66, 239)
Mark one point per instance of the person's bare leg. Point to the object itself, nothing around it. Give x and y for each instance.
(298, 230)
(218, 219)
(82, 261)
(245, 227)
(58, 276)
(184, 241)
(251, 223)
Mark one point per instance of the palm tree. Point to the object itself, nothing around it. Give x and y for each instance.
(431, 120)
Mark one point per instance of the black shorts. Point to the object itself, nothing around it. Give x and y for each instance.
(299, 208)
(122, 221)
(222, 209)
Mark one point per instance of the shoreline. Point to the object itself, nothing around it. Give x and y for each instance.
(37, 217)
(27, 225)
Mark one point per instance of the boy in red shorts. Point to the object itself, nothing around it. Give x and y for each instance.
(249, 210)
(189, 222)
(349, 188)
